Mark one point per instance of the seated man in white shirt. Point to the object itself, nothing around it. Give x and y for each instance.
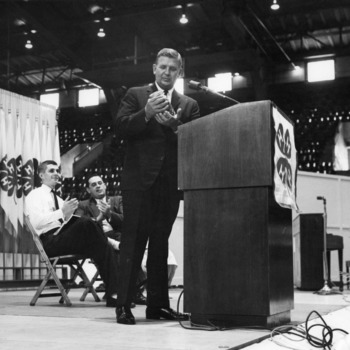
(48, 214)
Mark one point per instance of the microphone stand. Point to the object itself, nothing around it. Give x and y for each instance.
(206, 89)
(326, 290)
(198, 86)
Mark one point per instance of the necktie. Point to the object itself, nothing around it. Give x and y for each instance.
(170, 108)
(56, 203)
(55, 199)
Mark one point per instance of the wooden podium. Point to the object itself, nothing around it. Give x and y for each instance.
(238, 254)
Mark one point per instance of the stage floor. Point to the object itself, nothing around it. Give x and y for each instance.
(90, 325)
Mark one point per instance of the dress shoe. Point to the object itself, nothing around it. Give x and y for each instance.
(124, 315)
(166, 313)
(140, 299)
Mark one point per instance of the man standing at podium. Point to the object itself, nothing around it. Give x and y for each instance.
(148, 119)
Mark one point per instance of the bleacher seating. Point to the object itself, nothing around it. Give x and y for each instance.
(69, 138)
(316, 110)
(109, 167)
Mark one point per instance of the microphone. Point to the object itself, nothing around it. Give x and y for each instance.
(196, 85)
(321, 198)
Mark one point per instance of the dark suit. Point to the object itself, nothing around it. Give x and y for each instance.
(89, 209)
(149, 189)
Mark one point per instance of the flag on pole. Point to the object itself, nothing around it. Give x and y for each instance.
(48, 146)
(27, 157)
(36, 154)
(19, 164)
(3, 163)
(56, 152)
(57, 157)
(11, 175)
(43, 149)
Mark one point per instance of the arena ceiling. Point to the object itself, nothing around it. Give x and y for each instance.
(221, 34)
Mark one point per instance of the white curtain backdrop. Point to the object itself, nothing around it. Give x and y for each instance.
(22, 144)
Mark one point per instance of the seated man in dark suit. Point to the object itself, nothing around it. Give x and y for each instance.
(51, 217)
(108, 213)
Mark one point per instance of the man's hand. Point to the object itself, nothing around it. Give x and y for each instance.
(69, 207)
(105, 209)
(169, 120)
(156, 103)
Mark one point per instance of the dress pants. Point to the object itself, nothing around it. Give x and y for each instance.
(85, 237)
(148, 215)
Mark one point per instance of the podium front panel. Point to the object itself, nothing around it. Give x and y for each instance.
(229, 148)
(238, 257)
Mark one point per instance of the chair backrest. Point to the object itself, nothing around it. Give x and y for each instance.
(37, 241)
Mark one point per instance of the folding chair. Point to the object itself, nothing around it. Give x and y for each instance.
(94, 279)
(75, 262)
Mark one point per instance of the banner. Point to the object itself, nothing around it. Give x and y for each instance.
(285, 162)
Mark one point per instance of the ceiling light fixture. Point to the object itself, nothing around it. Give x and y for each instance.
(28, 44)
(275, 6)
(101, 33)
(183, 19)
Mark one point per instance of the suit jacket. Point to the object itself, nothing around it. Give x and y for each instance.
(150, 145)
(89, 209)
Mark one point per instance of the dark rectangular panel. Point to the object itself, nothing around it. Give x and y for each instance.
(308, 251)
(229, 148)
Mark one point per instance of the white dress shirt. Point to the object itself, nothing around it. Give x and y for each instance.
(170, 92)
(40, 207)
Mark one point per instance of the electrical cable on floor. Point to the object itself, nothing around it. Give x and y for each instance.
(286, 332)
(193, 326)
(303, 332)
(211, 326)
(327, 333)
